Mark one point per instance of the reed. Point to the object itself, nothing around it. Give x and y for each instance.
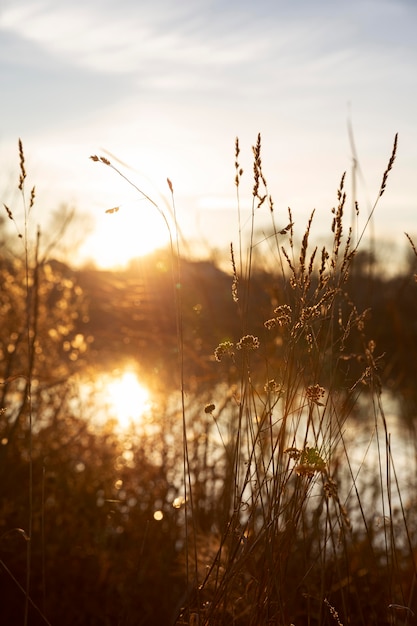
(295, 510)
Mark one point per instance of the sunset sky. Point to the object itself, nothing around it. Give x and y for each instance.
(166, 87)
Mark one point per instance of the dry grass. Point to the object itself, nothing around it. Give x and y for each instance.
(295, 513)
(272, 510)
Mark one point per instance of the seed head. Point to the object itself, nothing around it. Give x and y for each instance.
(248, 342)
(315, 393)
(223, 349)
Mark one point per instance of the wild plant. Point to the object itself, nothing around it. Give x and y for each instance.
(294, 514)
(249, 490)
(40, 345)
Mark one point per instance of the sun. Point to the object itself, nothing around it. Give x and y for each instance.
(127, 398)
(132, 212)
(134, 230)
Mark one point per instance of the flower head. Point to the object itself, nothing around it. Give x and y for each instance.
(315, 393)
(248, 342)
(224, 348)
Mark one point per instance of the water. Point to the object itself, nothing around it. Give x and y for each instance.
(370, 453)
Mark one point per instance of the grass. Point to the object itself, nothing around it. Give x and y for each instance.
(293, 522)
(252, 501)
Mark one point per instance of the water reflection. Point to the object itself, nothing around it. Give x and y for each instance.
(128, 398)
(120, 396)
(364, 455)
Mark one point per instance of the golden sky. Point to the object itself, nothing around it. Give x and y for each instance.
(167, 86)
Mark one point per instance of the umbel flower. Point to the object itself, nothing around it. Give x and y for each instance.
(248, 342)
(315, 394)
(283, 317)
(309, 461)
(226, 348)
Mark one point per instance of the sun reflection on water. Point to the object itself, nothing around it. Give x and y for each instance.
(118, 397)
(127, 398)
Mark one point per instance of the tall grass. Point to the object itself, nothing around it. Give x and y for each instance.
(294, 516)
(33, 337)
(31, 274)
(191, 555)
(269, 505)
(297, 540)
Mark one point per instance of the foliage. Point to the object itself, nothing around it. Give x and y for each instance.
(98, 554)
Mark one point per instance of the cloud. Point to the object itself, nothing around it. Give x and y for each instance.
(117, 41)
(167, 85)
(201, 47)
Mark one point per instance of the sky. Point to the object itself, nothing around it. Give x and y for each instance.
(163, 88)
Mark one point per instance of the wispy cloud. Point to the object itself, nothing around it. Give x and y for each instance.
(167, 85)
(204, 45)
(117, 39)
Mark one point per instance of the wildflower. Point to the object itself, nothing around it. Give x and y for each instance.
(273, 386)
(224, 348)
(283, 317)
(248, 342)
(283, 314)
(310, 462)
(209, 408)
(315, 393)
(305, 470)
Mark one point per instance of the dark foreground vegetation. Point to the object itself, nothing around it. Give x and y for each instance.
(236, 500)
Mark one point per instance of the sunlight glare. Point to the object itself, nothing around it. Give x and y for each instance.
(127, 398)
(133, 231)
